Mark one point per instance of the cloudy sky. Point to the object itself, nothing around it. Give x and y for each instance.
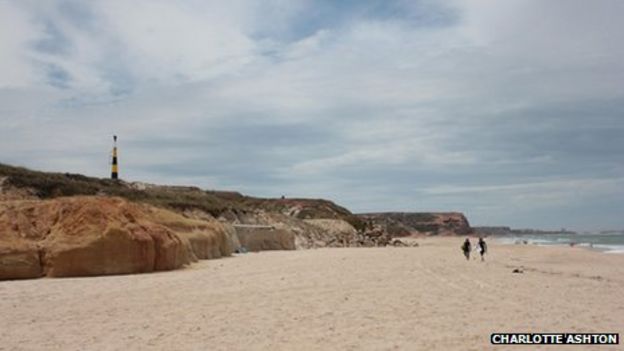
(509, 111)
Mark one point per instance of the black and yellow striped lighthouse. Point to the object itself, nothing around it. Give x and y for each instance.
(114, 165)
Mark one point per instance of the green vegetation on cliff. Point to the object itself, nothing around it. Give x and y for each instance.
(46, 185)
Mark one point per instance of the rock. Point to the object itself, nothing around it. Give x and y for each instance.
(375, 236)
(19, 262)
(399, 224)
(207, 237)
(517, 270)
(205, 245)
(397, 242)
(116, 251)
(98, 236)
(336, 232)
(305, 235)
(233, 242)
(83, 236)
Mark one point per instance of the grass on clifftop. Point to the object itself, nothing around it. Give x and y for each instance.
(50, 185)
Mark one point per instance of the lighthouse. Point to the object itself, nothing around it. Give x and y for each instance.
(114, 166)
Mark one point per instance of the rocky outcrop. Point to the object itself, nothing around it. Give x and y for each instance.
(260, 230)
(71, 224)
(337, 233)
(306, 209)
(17, 182)
(19, 261)
(417, 223)
(308, 233)
(287, 214)
(83, 236)
(118, 250)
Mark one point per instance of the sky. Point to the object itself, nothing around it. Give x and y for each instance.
(511, 112)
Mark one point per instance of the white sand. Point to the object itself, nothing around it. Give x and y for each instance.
(420, 298)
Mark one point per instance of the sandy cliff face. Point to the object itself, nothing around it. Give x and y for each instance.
(305, 233)
(60, 224)
(82, 236)
(307, 209)
(420, 223)
(286, 233)
(287, 216)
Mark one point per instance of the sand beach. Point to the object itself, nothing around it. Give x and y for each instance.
(393, 298)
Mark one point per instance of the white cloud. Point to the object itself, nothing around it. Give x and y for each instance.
(15, 34)
(162, 41)
(490, 94)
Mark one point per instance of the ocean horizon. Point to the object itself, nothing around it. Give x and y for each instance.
(612, 243)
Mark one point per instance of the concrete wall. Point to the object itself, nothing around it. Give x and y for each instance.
(264, 238)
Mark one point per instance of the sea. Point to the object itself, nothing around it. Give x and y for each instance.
(611, 243)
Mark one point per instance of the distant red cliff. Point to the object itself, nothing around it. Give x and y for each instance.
(419, 223)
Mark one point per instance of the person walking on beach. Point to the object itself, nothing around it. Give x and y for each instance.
(482, 246)
(466, 248)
